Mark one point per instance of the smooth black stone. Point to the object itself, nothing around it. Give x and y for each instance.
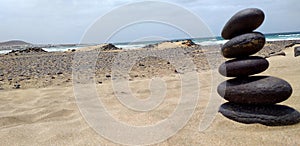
(297, 51)
(243, 45)
(255, 90)
(270, 115)
(244, 66)
(242, 22)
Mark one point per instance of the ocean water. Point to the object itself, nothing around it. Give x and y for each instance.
(283, 36)
(269, 37)
(200, 41)
(216, 40)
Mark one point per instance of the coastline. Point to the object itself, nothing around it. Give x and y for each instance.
(6, 47)
(44, 69)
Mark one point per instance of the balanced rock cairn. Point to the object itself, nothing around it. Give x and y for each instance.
(251, 99)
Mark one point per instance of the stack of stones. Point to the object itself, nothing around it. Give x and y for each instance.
(251, 98)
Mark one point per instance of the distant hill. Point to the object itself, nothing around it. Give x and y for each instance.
(14, 43)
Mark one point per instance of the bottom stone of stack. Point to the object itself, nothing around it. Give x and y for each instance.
(269, 115)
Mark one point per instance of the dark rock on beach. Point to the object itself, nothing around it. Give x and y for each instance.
(188, 43)
(275, 47)
(296, 51)
(244, 45)
(17, 86)
(27, 51)
(270, 115)
(291, 44)
(281, 53)
(109, 47)
(255, 90)
(242, 22)
(244, 66)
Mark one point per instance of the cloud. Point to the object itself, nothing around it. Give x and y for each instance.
(65, 21)
(48, 21)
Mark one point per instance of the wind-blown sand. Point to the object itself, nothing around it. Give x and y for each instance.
(49, 115)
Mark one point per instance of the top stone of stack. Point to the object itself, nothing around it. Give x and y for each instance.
(242, 22)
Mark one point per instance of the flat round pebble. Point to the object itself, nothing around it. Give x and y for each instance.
(255, 90)
(244, 66)
(242, 22)
(243, 45)
(270, 115)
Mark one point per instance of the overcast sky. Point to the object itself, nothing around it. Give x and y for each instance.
(66, 21)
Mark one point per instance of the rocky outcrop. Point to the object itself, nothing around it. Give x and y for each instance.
(173, 44)
(188, 43)
(109, 47)
(27, 51)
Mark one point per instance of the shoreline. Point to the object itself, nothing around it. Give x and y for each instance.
(129, 46)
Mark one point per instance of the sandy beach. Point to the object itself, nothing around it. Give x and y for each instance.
(43, 110)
